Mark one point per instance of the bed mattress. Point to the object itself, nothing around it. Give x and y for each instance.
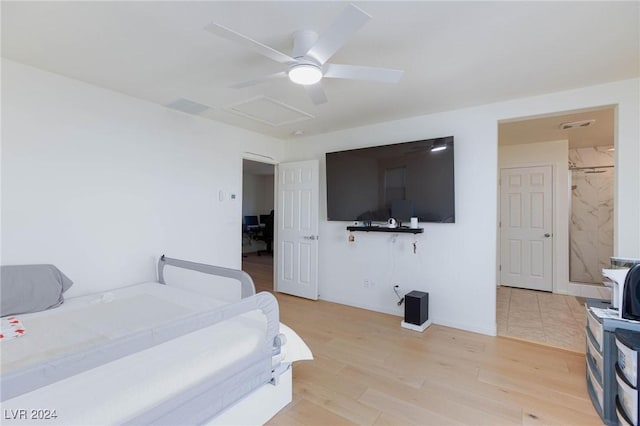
(88, 320)
(221, 362)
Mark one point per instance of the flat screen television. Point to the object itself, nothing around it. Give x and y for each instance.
(400, 181)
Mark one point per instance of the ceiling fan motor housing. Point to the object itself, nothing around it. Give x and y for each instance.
(303, 40)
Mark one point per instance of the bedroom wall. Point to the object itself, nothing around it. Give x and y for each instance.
(257, 193)
(451, 260)
(268, 194)
(251, 198)
(100, 184)
(455, 263)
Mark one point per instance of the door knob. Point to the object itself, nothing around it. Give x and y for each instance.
(547, 235)
(309, 237)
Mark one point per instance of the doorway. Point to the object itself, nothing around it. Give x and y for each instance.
(572, 143)
(258, 182)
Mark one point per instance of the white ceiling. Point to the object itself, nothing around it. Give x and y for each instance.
(257, 168)
(542, 129)
(454, 54)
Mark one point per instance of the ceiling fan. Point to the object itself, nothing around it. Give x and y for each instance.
(307, 65)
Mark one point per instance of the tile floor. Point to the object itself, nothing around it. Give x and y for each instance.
(553, 319)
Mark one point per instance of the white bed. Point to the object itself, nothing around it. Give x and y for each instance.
(215, 363)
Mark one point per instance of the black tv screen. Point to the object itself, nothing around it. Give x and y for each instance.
(403, 180)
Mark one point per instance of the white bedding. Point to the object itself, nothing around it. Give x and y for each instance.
(86, 320)
(136, 382)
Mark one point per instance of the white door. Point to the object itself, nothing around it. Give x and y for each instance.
(525, 228)
(297, 230)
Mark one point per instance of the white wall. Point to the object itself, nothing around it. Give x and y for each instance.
(257, 194)
(455, 263)
(451, 262)
(100, 184)
(250, 194)
(267, 194)
(556, 154)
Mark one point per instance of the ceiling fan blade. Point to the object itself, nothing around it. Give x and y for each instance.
(355, 72)
(259, 80)
(258, 47)
(316, 92)
(347, 24)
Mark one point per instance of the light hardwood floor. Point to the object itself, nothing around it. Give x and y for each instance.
(370, 371)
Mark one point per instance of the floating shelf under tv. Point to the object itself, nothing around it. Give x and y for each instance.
(401, 230)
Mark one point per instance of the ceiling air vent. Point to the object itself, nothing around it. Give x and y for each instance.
(576, 124)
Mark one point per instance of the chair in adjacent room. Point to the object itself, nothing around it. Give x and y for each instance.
(267, 234)
(251, 227)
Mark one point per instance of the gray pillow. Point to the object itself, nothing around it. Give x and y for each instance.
(31, 288)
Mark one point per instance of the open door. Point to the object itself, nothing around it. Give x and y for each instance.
(297, 229)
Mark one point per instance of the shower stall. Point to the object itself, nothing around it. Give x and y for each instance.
(592, 177)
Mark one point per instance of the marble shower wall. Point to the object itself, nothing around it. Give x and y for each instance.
(591, 227)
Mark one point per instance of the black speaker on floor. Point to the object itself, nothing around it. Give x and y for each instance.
(416, 307)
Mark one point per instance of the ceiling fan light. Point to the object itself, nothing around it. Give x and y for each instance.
(305, 74)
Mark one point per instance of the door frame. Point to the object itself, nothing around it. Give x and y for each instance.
(558, 238)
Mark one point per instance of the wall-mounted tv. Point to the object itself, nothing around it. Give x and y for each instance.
(403, 180)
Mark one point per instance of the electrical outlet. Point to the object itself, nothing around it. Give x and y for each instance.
(365, 284)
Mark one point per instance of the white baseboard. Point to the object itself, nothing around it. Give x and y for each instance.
(592, 291)
(472, 327)
(363, 306)
(489, 331)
